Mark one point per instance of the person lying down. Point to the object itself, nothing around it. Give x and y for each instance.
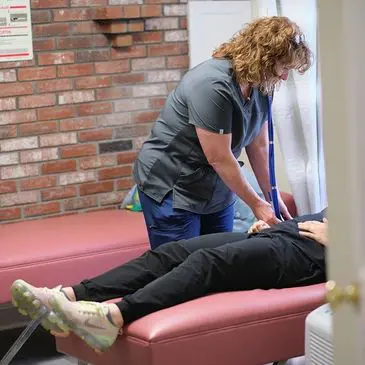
(289, 254)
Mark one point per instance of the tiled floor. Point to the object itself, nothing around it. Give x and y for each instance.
(40, 350)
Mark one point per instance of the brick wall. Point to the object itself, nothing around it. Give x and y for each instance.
(72, 119)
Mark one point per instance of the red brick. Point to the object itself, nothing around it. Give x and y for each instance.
(149, 11)
(34, 129)
(129, 52)
(126, 157)
(75, 70)
(56, 58)
(44, 44)
(10, 214)
(52, 29)
(131, 78)
(41, 16)
(45, 4)
(116, 12)
(81, 203)
(113, 93)
(38, 183)
(80, 150)
(37, 73)
(37, 101)
(183, 23)
(112, 67)
(77, 124)
(23, 116)
(160, 1)
(92, 55)
(7, 104)
(57, 112)
(124, 184)
(58, 166)
(135, 26)
(42, 209)
(145, 117)
(148, 37)
(95, 188)
(55, 85)
(93, 82)
(168, 49)
(75, 42)
(68, 15)
(7, 187)
(158, 103)
(59, 193)
(114, 27)
(14, 89)
(101, 40)
(97, 161)
(162, 23)
(78, 3)
(95, 108)
(97, 135)
(121, 40)
(114, 172)
(178, 61)
(87, 27)
(8, 131)
(17, 64)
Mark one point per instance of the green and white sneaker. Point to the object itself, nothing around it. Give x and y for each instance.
(33, 302)
(88, 320)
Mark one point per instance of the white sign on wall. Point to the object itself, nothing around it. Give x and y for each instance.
(15, 30)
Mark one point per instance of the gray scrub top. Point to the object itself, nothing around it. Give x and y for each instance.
(172, 160)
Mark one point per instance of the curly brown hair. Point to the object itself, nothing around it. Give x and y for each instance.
(260, 46)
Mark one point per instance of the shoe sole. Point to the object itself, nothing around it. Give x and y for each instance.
(28, 304)
(97, 344)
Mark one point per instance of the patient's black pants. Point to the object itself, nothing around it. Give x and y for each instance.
(180, 271)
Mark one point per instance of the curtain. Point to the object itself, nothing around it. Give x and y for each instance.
(297, 113)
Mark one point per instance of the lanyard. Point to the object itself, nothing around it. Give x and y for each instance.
(274, 190)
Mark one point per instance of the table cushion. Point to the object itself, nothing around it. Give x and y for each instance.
(238, 328)
(65, 250)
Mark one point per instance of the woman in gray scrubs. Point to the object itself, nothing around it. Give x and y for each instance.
(187, 171)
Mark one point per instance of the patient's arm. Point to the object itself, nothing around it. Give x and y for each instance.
(315, 230)
(258, 227)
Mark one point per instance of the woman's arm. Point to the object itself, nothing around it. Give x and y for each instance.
(258, 155)
(315, 230)
(217, 149)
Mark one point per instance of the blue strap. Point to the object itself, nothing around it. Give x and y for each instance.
(274, 191)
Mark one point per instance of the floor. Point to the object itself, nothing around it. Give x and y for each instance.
(40, 350)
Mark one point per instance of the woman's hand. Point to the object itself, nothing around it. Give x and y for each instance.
(284, 210)
(315, 230)
(264, 212)
(258, 227)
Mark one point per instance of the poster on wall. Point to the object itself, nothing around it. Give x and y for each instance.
(15, 31)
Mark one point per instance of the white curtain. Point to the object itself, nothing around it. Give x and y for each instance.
(297, 113)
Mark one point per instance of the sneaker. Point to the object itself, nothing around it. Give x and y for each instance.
(34, 302)
(88, 320)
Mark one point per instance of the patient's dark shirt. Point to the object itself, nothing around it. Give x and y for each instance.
(288, 233)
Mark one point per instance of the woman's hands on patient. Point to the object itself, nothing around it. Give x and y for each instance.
(315, 230)
(258, 227)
